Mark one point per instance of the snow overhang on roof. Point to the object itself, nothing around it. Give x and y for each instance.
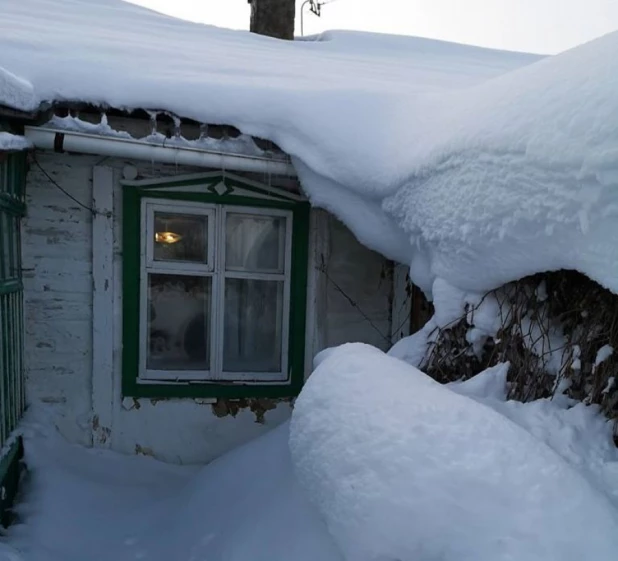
(472, 165)
(155, 136)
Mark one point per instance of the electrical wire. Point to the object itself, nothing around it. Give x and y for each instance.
(353, 303)
(60, 188)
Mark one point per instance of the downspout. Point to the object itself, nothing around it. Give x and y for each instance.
(69, 141)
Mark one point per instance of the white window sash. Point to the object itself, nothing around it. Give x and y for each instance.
(151, 206)
(214, 268)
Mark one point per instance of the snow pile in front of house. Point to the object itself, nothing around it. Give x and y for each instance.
(384, 464)
(471, 165)
(579, 433)
(101, 506)
(404, 468)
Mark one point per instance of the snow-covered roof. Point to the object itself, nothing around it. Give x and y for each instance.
(113, 52)
(473, 165)
(10, 142)
(16, 92)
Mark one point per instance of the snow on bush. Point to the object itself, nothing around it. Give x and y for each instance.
(557, 330)
(403, 468)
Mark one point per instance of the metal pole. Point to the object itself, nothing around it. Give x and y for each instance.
(302, 8)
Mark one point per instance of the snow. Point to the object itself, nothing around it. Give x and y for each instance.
(8, 553)
(413, 349)
(444, 157)
(529, 172)
(9, 142)
(244, 506)
(494, 314)
(602, 355)
(379, 462)
(474, 167)
(579, 433)
(403, 468)
(16, 92)
(243, 144)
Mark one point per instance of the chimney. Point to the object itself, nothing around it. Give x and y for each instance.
(274, 18)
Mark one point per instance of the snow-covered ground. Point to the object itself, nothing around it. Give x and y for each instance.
(379, 463)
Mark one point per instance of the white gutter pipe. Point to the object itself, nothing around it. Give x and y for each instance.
(69, 141)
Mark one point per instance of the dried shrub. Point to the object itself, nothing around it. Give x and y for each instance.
(551, 328)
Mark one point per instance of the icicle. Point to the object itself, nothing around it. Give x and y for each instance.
(153, 122)
(177, 126)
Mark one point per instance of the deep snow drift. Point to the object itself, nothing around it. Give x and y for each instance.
(382, 464)
(404, 468)
(440, 156)
(86, 505)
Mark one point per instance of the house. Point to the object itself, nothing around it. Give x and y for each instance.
(166, 279)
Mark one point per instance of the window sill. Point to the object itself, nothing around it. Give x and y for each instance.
(192, 390)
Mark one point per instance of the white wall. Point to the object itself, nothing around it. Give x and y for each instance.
(56, 262)
(57, 255)
(355, 274)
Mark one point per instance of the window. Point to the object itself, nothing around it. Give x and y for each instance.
(220, 288)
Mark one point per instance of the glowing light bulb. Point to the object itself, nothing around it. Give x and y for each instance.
(167, 237)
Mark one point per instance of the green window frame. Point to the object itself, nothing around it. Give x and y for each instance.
(211, 197)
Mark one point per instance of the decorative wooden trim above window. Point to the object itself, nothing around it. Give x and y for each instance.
(215, 205)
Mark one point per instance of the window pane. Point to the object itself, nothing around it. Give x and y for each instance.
(178, 322)
(254, 243)
(180, 237)
(252, 330)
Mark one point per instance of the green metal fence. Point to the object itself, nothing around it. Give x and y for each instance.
(12, 207)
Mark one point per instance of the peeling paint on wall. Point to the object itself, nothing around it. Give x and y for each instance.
(259, 407)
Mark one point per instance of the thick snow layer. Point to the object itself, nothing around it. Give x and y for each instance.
(16, 92)
(400, 468)
(579, 433)
(9, 142)
(85, 505)
(403, 468)
(471, 165)
(527, 163)
(138, 58)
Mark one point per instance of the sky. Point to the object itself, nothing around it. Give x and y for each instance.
(540, 26)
